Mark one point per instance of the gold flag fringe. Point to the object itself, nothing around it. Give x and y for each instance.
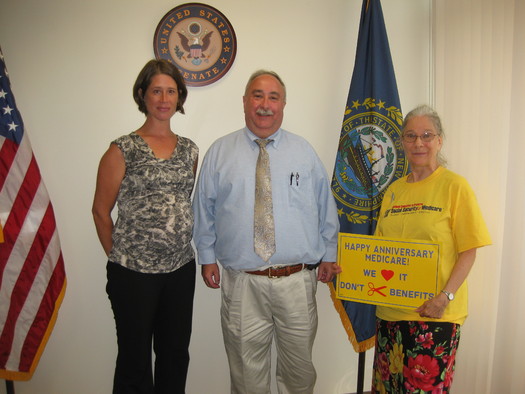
(359, 347)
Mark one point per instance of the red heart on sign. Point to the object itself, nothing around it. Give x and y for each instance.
(387, 274)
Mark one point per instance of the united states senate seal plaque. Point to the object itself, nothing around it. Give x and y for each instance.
(199, 40)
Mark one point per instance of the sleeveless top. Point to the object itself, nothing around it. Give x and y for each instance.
(153, 230)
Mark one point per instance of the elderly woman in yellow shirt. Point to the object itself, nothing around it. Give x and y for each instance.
(415, 349)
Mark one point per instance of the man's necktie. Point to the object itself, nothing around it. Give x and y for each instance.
(263, 224)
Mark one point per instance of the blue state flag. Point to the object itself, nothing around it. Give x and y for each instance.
(370, 155)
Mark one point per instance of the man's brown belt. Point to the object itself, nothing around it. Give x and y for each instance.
(287, 270)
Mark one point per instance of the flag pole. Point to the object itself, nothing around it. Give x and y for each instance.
(10, 387)
(361, 372)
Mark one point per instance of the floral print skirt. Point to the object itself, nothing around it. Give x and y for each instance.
(414, 356)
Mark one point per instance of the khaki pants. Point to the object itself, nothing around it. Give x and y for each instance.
(255, 309)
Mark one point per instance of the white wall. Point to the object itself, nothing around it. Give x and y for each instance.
(72, 65)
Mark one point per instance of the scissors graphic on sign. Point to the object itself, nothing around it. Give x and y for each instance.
(375, 289)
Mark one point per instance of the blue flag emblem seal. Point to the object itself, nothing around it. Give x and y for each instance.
(369, 158)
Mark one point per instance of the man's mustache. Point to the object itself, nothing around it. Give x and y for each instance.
(264, 112)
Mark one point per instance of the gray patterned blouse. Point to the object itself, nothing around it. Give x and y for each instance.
(153, 230)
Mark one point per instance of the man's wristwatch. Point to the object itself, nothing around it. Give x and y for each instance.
(449, 295)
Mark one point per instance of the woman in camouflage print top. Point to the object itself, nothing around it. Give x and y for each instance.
(150, 174)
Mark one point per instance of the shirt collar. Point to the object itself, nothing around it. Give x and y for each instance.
(276, 137)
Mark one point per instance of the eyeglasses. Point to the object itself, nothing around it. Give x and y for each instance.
(425, 137)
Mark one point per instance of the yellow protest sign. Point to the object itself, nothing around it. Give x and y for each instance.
(387, 271)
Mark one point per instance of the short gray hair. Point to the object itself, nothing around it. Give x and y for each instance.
(258, 73)
(427, 111)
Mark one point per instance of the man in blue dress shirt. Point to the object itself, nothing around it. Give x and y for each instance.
(274, 298)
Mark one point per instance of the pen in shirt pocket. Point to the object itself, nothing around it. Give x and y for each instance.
(294, 175)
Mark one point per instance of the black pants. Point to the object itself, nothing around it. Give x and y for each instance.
(151, 309)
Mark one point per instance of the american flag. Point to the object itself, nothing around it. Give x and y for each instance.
(32, 275)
